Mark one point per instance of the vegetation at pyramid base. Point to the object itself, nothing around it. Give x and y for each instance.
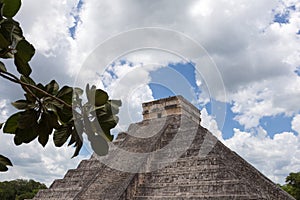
(19, 189)
(292, 185)
(48, 109)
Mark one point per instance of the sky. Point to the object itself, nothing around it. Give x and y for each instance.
(235, 60)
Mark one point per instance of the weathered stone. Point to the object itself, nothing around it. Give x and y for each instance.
(166, 156)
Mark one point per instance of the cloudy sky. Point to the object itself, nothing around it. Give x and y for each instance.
(237, 61)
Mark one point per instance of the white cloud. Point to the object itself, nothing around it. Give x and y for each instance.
(46, 23)
(275, 157)
(210, 123)
(129, 83)
(3, 110)
(296, 123)
(266, 98)
(201, 8)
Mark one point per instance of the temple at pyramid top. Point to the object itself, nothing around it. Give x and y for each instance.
(166, 156)
(175, 105)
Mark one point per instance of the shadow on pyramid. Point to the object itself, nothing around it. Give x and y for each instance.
(166, 156)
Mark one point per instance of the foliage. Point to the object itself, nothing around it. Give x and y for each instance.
(292, 185)
(49, 108)
(19, 189)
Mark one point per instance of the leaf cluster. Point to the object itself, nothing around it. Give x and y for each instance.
(12, 41)
(48, 108)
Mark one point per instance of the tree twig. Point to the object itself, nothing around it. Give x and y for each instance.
(14, 79)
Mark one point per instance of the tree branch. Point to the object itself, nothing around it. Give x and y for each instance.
(14, 79)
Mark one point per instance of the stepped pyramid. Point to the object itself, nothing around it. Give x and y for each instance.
(166, 156)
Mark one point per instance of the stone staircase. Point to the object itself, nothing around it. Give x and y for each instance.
(111, 183)
(192, 177)
(73, 182)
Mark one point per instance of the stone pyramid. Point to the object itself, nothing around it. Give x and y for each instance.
(166, 156)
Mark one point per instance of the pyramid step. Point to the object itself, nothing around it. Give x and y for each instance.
(191, 183)
(91, 164)
(178, 163)
(172, 154)
(202, 197)
(107, 185)
(64, 183)
(103, 182)
(228, 187)
(58, 193)
(174, 170)
(192, 175)
(181, 142)
(79, 174)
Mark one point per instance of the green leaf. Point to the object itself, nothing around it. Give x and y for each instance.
(65, 114)
(11, 7)
(77, 139)
(2, 67)
(1, 124)
(101, 97)
(25, 135)
(46, 124)
(20, 104)
(38, 93)
(11, 123)
(73, 137)
(111, 107)
(108, 124)
(27, 80)
(25, 51)
(5, 161)
(99, 145)
(61, 135)
(106, 111)
(64, 91)
(22, 66)
(43, 138)
(78, 146)
(65, 94)
(30, 98)
(3, 168)
(18, 140)
(52, 87)
(4, 43)
(53, 119)
(11, 32)
(52, 104)
(106, 116)
(28, 119)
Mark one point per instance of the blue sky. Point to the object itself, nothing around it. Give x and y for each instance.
(253, 47)
(164, 83)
